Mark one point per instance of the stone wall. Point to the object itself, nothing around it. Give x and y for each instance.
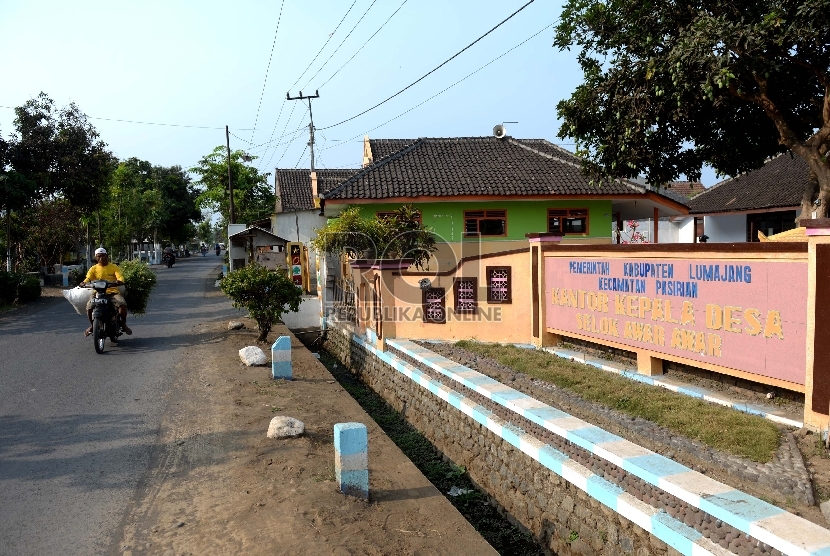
(563, 517)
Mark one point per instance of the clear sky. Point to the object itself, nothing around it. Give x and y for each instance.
(205, 64)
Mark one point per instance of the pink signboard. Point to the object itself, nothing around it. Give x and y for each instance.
(747, 315)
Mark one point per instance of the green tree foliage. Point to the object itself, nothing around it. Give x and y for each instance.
(252, 196)
(51, 228)
(265, 295)
(60, 153)
(145, 201)
(671, 85)
(400, 235)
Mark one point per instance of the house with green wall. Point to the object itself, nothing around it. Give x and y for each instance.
(485, 194)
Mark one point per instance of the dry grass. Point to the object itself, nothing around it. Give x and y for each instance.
(725, 429)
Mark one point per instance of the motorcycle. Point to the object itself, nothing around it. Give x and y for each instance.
(105, 321)
(169, 259)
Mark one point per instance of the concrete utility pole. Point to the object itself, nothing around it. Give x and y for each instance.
(230, 183)
(311, 117)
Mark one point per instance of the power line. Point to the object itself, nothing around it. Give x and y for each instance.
(324, 45)
(341, 44)
(446, 89)
(267, 69)
(301, 157)
(277, 122)
(150, 123)
(433, 70)
(364, 44)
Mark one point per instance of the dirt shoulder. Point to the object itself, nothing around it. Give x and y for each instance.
(217, 485)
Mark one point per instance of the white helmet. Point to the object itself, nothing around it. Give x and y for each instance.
(100, 251)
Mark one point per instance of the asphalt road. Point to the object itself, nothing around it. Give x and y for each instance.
(77, 428)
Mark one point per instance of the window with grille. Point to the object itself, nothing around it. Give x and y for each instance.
(485, 223)
(499, 284)
(434, 306)
(568, 221)
(466, 295)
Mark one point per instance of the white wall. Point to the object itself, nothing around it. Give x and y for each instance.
(287, 224)
(308, 317)
(725, 228)
(686, 229)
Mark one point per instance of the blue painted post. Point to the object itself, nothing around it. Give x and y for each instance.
(281, 358)
(351, 459)
(225, 269)
(65, 272)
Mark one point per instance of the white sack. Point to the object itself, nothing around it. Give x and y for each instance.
(78, 297)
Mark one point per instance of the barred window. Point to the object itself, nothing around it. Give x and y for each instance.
(466, 295)
(568, 221)
(485, 222)
(499, 284)
(434, 306)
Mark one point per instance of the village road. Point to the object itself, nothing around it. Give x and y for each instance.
(77, 428)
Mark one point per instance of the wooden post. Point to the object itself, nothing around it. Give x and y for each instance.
(656, 225)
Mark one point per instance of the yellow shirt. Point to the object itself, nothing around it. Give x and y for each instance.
(110, 273)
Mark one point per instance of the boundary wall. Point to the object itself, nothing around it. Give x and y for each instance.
(577, 488)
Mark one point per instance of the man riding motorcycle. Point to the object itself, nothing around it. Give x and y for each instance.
(110, 272)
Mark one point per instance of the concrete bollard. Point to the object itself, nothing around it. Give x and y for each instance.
(351, 459)
(65, 272)
(281, 358)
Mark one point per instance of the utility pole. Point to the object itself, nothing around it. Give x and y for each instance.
(311, 117)
(230, 182)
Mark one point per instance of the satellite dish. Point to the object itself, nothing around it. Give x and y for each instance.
(499, 131)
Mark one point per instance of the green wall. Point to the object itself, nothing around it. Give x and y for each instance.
(523, 217)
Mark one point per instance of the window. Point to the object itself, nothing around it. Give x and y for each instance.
(499, 284)
(390, 214)
(568, 221)
(769, 223)
(466, 295)
(485, 222)
(434, 306)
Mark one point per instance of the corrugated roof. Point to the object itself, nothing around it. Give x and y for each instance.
(780, 182)
(447, 167)
(295, 185)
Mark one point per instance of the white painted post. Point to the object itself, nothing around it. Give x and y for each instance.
(281, 358)
(351, 459)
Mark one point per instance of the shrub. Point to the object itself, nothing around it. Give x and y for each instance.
(139, 281)
(28, 289)
(17, 287)
(266, 295)
(8, 287)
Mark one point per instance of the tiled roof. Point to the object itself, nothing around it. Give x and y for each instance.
(295, 186)
(687, 188)
(471, 166)
(779, 183)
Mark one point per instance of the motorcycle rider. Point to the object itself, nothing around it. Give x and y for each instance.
(110, 272)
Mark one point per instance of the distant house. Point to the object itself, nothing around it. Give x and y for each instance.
(254, 245)
(767, 199)
(686, 188)
(296, 214)
(487, 193)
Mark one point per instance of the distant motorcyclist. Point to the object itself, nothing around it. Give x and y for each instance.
(218, 249)
(110, 272)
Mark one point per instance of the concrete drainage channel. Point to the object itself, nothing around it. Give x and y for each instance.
(450, 479)
(576, 487)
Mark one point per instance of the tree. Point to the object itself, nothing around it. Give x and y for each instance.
(253, 198)
(671, 85)
(266, 295)
(60, 153)
(50, 229)
(397, 236)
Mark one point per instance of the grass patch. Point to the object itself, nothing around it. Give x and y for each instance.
(725, 429)
(504, 537)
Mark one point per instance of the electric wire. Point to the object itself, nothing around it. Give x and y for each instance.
(341, 44)
(364, 44)
(267, 69)
(277, 122)
(293, 133)
(324, 45)
(301, 157)
(150, 123)
(446, 89)
(508, 18)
